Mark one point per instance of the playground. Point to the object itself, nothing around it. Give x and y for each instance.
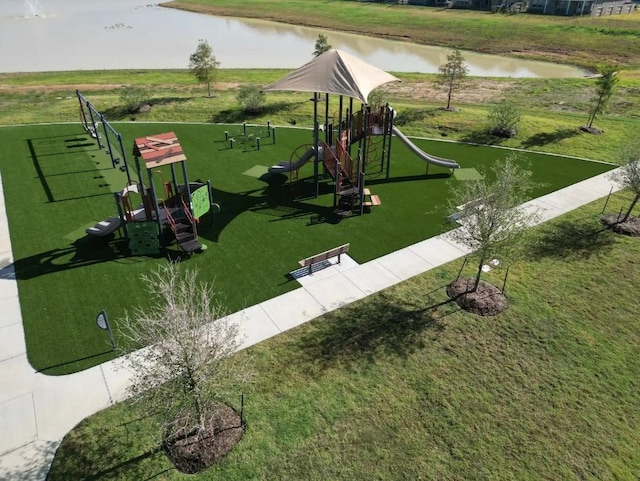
(246, 204)
(58, 183)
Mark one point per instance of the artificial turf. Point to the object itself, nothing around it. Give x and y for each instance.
(56, 182)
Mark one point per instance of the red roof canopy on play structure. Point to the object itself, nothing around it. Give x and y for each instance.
(158, 150)
(335, 72)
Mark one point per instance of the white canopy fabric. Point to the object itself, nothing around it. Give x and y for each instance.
(335, 72)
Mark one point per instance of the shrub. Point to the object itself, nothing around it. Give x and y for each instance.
(133, 97)
(504, 119)
(251, 98)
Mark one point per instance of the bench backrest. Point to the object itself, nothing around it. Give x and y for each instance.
(323, 256)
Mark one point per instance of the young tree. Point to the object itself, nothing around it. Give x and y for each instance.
(203, 64)
(183, 369)
(605, 86)
(628, 175)
(504, 119)
(492, 223)
(452, 74)
(321, 46)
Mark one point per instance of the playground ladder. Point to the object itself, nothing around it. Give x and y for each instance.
(185, 233)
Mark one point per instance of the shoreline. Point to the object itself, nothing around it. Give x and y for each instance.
(557, 53)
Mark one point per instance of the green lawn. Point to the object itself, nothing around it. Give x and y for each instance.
(56, 183)
(399, 386)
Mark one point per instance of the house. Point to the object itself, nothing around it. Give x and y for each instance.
(594, 8)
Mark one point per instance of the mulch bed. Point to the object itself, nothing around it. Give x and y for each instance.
(487, 300)
(630, 227)
(195, 453)
(591, 130)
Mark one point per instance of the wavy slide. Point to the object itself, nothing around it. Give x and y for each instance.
(288, 166)
(432, 159)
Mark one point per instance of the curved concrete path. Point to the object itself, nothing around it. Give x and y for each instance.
(36, 410)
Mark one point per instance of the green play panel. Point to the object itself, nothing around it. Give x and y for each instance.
(143, 238)
(467, 174)
(256, 171)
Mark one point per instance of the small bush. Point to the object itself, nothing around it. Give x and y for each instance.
(504, 119)
(133, 97)
(251, 98)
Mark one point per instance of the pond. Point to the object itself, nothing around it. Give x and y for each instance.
(56, 35)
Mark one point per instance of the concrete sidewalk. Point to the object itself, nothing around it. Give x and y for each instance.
(36, 410)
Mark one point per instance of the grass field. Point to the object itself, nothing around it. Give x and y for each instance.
(553, 109)
(57, 183)
(398, 386)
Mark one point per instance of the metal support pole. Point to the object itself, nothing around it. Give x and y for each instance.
(350, 124)
(106, 136)
(174, 179)
(391, 119)
(93, 125)
(84, 115)
(326, 119)
(336, 183)
(124, 159)
(385, 125)
(121, 214)
(155, 202)
(210, 200)
(361, 192)
(340, 120)
(316, 180)
(365, 138)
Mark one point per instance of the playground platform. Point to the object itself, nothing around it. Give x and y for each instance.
(36, 410)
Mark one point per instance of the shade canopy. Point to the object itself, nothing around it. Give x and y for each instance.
(335, 72)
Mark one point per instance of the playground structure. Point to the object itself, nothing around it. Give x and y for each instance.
(91, 120)
(353, 140)
(179, 208)
(181, 204)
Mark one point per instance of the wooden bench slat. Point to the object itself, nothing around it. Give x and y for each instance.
(375, 200)
(323, 256)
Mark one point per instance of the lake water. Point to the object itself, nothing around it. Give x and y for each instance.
(55, 35)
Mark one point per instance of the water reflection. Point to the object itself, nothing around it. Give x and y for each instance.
(112, 34)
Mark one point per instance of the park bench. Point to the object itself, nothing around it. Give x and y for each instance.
(324, 256)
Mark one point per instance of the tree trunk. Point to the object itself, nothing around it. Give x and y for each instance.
(209, 88)
(195, 393)
(596, 108)
(478, 276)
(450, 91)
(633, 204)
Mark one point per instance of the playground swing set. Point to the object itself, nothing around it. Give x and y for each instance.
(181, 206)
